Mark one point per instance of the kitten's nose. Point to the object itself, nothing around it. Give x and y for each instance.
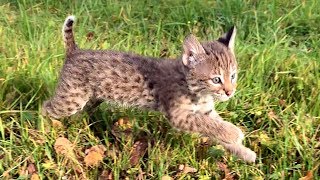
(228, 93)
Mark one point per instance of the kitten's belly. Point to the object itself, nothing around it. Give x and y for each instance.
(126, 93)
(145, 102)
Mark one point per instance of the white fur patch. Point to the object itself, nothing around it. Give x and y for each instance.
(204, 104)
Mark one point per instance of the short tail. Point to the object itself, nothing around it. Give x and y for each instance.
(68, 37)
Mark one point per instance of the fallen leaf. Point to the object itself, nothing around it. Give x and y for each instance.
(5, 174)
(227, 174)
(106, 175)
(205, 141)
(31, 168)
(164, 52)
(138, 150)
(166, 178)
(35, 177)
(309, 176)
(141, 175)
(94, 155)
(203, 147)
(90, 36)
(187, 169)
(57, 124)
(282, 102)
(122, 128)
(23, 170)
(99, 148)
(124, 123)
(272, 115)
(181, 167)
(63, 146)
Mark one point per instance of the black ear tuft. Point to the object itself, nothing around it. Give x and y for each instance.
(228, 39)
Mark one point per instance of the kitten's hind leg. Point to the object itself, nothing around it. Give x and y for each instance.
(66, 102)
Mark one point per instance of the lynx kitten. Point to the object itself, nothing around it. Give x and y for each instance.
(184, 90)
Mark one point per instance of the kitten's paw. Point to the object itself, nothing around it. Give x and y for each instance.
(231, 133)
(241, 151)
(249, 156)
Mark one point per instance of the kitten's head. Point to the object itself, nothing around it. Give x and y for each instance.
(212, 67)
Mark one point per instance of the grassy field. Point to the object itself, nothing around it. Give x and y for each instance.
(277, 103)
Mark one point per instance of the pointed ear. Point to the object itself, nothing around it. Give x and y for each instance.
(228, 39)
(191, 47)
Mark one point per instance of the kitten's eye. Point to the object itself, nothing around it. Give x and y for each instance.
(216, 80)
(233, 76)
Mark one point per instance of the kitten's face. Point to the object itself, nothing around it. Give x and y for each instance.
(216, 74)
(212, 67)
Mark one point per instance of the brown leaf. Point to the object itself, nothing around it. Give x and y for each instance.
(94, 155)
(63, 146)
(106, 175)
(90, 36)
(138, 150)
(187, 169)
(141, 175)
(227, 174)
(31, 168)
(272, 115)
(99, 148)
(164, 52)
(23, 170)
(93, 159)
(124, 123)
(309, 176)
(57, 124)
(35, 177)
(205, 141)
(282, 102)
(166, 178)
(6, 174)
(122, 127)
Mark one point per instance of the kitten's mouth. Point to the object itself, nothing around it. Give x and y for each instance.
(222, 97)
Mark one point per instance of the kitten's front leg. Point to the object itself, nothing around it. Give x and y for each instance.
(230, 133)
(213, 126)
(207, 124)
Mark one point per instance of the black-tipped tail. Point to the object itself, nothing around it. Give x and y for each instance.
(68, 37)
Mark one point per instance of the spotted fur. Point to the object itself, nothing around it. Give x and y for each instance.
(184, 90)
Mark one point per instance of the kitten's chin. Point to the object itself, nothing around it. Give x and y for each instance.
(222, 98)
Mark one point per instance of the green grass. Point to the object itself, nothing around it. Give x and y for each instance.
(277, 102)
